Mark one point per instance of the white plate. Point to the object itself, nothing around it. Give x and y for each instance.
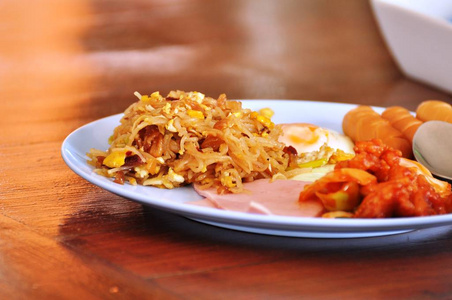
(95, 135)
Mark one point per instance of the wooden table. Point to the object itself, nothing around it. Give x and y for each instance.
(66, 63)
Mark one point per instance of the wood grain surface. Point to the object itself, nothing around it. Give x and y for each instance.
(66, 63)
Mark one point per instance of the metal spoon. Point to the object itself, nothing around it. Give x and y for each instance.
(432, 147)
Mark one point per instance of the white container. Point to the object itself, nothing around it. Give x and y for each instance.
(419, 36)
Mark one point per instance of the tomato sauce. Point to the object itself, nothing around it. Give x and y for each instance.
(398, 191)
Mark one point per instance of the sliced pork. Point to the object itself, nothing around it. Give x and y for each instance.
(279, 197)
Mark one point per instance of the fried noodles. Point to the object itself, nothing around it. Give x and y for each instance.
(186, 138)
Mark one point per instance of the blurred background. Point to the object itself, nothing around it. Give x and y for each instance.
(81, 54)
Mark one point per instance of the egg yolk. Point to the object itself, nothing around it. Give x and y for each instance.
(304, 137)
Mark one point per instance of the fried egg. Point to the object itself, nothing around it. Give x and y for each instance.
(306, 138)
(318, 148)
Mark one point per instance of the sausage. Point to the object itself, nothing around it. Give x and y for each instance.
(434, 110)
(363, 123)
(401, 119)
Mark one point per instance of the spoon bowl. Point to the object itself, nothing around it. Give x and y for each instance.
(432, 147)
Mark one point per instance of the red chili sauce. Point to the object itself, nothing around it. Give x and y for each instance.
(398, 191)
